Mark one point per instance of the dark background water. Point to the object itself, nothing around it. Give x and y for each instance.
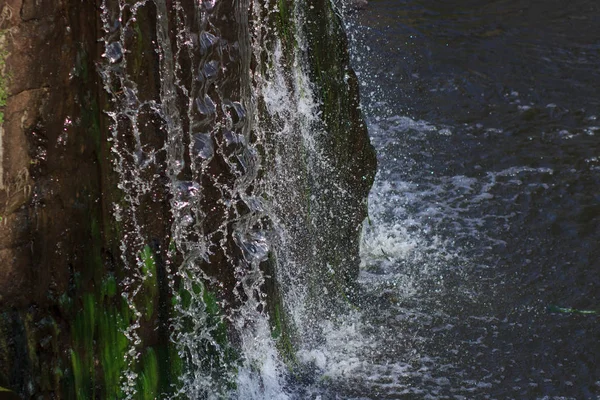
(500, 157)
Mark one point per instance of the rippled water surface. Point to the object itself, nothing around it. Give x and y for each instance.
(483, 248)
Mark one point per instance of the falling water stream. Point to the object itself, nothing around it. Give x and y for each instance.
(431, 314)
(268, 203)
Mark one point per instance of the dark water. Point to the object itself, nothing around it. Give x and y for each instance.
(486, 117)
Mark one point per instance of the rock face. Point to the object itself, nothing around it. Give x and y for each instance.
(50, 179)
(93, 256)
(348, 142)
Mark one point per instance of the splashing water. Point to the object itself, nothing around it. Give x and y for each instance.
(229, 135)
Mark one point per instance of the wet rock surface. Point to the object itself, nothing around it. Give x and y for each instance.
(61, 318)
(49, 184)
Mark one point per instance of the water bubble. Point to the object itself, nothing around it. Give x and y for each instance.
(187, 220)
(208, 4)
(203, 145)
(131, 97)
(255, 204)
(205, 106)
(62, 138)
(207, 40)
(231, 137)
(115, 26)
(114, 52)
(142, 159)
(208, 70)
(254, 245)
(239, 110)
(185, 193)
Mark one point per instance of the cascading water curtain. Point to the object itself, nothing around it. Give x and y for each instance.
(232, 195)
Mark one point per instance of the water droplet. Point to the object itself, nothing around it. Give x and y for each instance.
(208, 4)
(186, 192)
(238, 113)
(254, 246)
(205, 106)
(207, 40)
(232, 137)
(187, 220)
(131, 97)
(114, 52)
(203, 145)
(210, 69)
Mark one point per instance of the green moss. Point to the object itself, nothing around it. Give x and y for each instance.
(219, 357)
(82, 352)
(90, 120)
(81, 65)
(148, 378)
(112, 346)
(150, 285)
(281, 333)
(80, 376)
(109, 286)
(285, 21)
(95, 261)
(99, 345)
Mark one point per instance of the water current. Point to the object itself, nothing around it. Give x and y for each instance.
(482, 249)
(479, 258)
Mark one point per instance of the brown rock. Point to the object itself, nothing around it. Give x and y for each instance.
(15, 275)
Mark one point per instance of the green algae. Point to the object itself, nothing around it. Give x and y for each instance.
(82, 353)
(98, 340)
(174, 363)
(150, 284)
(99, 345)
(99, 349)
(219, 356)
(109, 286)
(281, 333)
(112, 346)
(148, 379)
(568, 310)
(221, 350)
(286, 23)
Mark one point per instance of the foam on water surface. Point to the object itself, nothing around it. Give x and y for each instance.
(419, 325)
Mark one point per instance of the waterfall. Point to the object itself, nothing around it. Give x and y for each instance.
(229, 143)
